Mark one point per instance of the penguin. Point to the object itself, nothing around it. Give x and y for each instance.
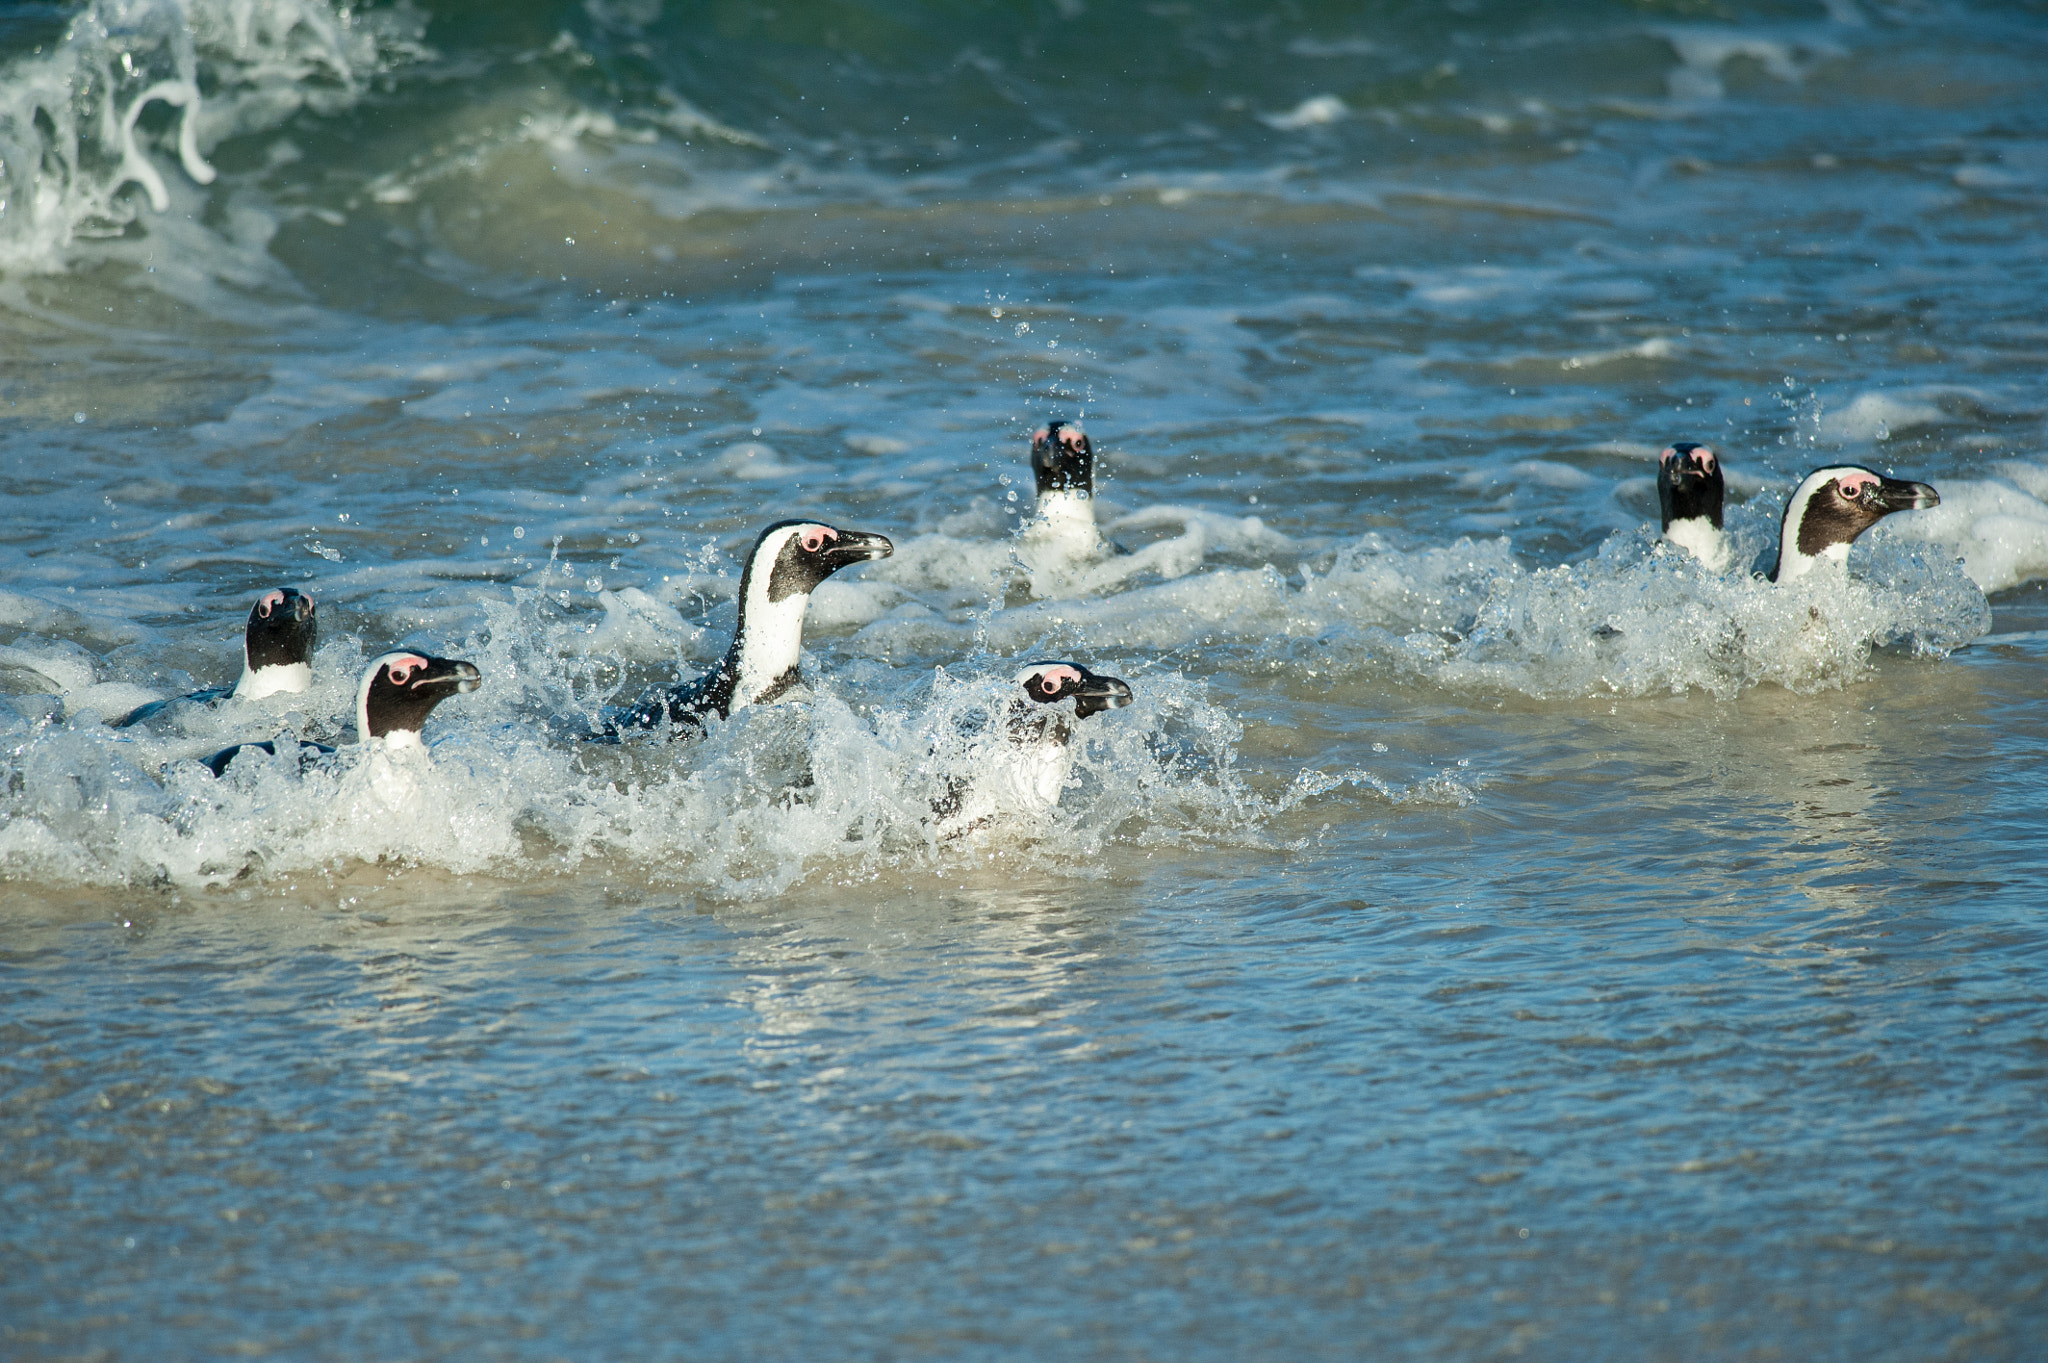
(1832, 507)
(1028, 767)
(1690, 491)
(277, 656)
(786, 564)
(398, 691)
(1063, 519)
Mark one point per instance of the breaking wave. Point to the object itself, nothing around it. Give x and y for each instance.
(87, 125)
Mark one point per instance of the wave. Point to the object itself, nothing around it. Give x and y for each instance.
(78, 122)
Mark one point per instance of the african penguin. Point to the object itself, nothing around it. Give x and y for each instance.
(398, 691)
(1028, 765)
(1062, 526)
(277, 656)
(1690, 492)
(786, 563)
(1832, 507)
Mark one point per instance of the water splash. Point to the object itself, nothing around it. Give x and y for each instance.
(85, 125)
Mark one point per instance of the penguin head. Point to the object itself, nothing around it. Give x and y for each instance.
(1050, 683)
(1062, 459)
(793, 557)
(401, 689)
(1689, 484)
(282, 630)
(1832, 507)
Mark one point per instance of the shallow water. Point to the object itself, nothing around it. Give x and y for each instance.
(1486, 935)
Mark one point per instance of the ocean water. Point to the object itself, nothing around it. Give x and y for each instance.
(1486, 935)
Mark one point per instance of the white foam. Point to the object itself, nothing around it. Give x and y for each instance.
(1702, 52)
(70, 141)
(826, 780)
(1313, 112)
(1643, 618)
(70, 673)
(1877, 416)
(1998, 528)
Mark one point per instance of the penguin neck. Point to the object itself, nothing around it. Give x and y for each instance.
(1701, 538)
(391, 740)
(1794, 561)
(275, 679)
(767, 644)
(1066, 514)
(1794, 564)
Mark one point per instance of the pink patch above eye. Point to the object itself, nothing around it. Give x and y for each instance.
(1704, 457)
(1053, 679)
(1853, 484)
(270, 602)
(817, 537)
(400, 670)
(1668, 455)
(1072, 437)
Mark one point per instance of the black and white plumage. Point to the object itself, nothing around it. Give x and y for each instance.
(1062, 532)
(786, 564)
(1690, 492)
(1030, 754)
(277, 656)
(1831, 507)
(397, 693)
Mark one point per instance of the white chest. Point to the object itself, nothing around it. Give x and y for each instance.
(1700, 537)
(277, 679)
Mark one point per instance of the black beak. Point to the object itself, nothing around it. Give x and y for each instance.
(448, 672)
(1100, 693)
(855, 546)
(1895, 494)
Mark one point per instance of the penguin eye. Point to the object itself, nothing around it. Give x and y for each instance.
(1668, 455)
(398, 672)
(815, 538)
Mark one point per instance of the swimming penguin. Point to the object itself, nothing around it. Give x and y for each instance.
(1690, 492)
(277, 656)
(1062, 530)
(786, 564)
(1832, 507)
(1027, 768)
(398, 691)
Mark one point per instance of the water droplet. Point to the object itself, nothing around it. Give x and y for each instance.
(78, 416)
(518, 532)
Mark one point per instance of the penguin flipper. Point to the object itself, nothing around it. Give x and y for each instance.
(679, 710)
(218, 763)
(210, 695)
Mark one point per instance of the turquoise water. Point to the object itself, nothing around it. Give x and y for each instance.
(1485, 935)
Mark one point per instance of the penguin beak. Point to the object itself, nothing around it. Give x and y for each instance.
(1100, 693)
(855, 546)
(449, 672)
(1893, 494)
